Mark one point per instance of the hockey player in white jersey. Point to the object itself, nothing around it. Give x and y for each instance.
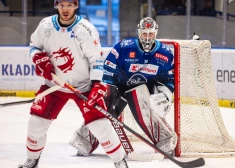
(68, 45)
(141, 70)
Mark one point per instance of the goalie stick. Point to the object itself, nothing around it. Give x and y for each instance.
(194, 163)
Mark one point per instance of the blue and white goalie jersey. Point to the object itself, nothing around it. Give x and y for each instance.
(127, 65)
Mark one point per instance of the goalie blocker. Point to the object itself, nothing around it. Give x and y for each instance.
(148, 110)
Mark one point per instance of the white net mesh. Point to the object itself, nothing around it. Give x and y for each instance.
(202, 131)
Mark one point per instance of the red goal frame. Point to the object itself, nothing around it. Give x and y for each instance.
(176, 94)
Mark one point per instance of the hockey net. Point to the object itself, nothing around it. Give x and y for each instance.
(195, 114)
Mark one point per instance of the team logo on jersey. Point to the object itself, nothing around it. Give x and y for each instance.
(147, 69)
(134, 68)
(161, 57)
(86, 110)
(114, 52)
(98, 67)
(47, 33)
(110, 64)
(64, 59)
(126, 42)
(136, 79)
(96, 41)
(38, 104)
(167, 47)
(32, 141)
(72, 35)
(107, 143)
(63, 29)
(132, 55)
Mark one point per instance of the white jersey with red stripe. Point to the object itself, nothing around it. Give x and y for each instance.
(75, 51)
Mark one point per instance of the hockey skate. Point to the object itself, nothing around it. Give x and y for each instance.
(30, 163)
(121, 164)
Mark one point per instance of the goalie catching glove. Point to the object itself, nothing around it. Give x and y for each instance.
(96, 96)
(43, 65)
(160, 101)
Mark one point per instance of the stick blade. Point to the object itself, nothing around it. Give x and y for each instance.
(16, 103)
(195, 163)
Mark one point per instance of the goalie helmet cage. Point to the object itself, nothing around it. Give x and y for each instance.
(195, 114)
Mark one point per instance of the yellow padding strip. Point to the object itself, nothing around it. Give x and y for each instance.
(226, 103)
(17, 93)
(23, 93)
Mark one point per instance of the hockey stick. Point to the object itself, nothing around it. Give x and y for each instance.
(129, 149)
(194, 163)
(46, 92)
(16, 103)
(38, 97)
(127, 146)
(121, 134)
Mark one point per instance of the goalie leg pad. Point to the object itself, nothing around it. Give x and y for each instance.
(155, 127)
(167, 138)
(138, 101)
(84, 141)
(160, 100)
(160, 104)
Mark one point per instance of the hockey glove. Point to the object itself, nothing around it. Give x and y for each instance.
(96, 96)
(160, 101)
(43, 65)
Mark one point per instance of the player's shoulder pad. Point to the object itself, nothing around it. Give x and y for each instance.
(165, 49)
(85, 29)
(127, 42)
(46, 23)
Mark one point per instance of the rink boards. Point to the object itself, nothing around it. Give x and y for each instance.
(18, 78)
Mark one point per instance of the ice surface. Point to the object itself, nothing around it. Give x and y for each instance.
(59, 154)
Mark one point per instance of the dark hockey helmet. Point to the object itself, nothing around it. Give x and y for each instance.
(147, 31)
(56, 2)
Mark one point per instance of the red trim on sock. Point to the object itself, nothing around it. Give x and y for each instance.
(114, 150)
(32, 150)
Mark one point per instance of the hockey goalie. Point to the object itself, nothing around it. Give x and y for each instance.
(138, 72)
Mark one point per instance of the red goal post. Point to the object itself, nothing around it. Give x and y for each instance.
(195, 114)
(176, 51)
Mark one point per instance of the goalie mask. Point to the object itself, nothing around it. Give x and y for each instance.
(147, 31)
(56, 2)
